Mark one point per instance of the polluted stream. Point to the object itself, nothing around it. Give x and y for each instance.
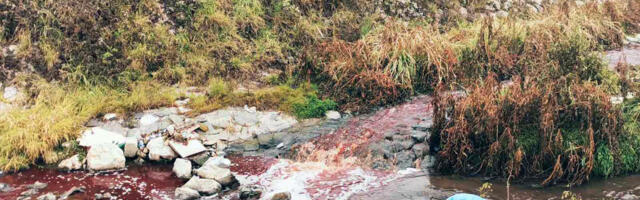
(331, 169)
(330, 165)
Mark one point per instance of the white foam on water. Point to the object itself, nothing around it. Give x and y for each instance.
(304, 180)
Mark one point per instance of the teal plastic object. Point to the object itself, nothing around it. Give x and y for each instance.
(464, 196)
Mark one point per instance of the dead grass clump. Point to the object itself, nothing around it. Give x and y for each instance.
(382, 67)
(555, 131)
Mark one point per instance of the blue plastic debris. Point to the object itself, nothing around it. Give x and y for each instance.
(464, 196)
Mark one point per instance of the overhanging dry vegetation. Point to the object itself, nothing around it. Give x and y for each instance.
(394, 60)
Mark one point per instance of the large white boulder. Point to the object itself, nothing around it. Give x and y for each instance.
(105, 156)
(97, 135)
(205, 186)
(72, 163)
(182, 168)
(211, 171)
(158, 150)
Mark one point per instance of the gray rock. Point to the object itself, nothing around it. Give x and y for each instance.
(419, 136)
(220, 122)
(158, 150)
(10, 93)
(182, 168)
(281, 196)
(423, 126)
(185, 193)
(200, 158)
(37, 185)
(246, 118)
(72, 163)
(47, 196)
(5, 187)
(250, 192)
(332, 115)
(27, 194)
(390, 148)
(205, 186)
(221, 175)
(427, 163)
(176, 119)
(265, 139)
(420, 149)
(405, 159)
(105, 156)
(72, 191)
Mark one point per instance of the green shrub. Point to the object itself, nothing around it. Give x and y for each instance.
(604, 161)
(313, 107)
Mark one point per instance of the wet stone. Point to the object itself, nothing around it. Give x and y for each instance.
(5, 187)
(37, 185)
(219, 174)
(185, 193)
(281, 196)
(200, 158)
(391, 147)
(47, 196)
(72, 191)
(428, 162)
(205, 186)
(380, 164)
(250, 192)
(405, 159)
(420, 149)
(407, 144)
(419, 136)
(423, 126)
(389, 135)
(28, 193)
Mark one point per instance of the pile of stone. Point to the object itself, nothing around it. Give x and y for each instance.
(166, 134)
(208, 179)
(407, 147)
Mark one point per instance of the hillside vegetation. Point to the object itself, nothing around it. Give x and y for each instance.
(75, 60)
